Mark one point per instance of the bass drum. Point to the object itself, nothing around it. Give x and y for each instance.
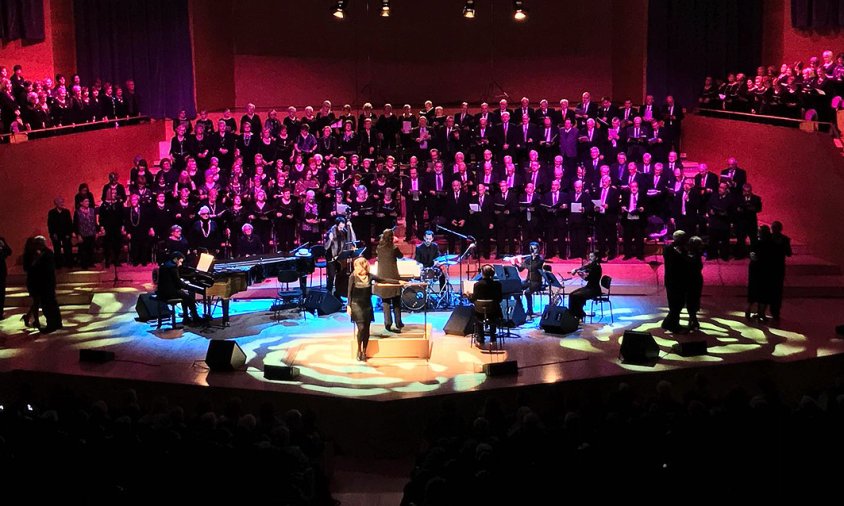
(413, 297)
(435, 278)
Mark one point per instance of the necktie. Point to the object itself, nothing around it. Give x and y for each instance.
(505, 132)
(554, 199)
(525, 128)
(604, 196)
(439, 182)
(510, 181)
(481, 201)
(683, 203)
(547, 135)
(636, 133)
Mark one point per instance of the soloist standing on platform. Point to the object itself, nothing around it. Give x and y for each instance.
(360, 302)
(387, 252)
(591, 272)
(676, 280)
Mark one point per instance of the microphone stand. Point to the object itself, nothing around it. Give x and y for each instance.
(460, 259)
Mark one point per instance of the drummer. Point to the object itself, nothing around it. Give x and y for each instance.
(427, 253)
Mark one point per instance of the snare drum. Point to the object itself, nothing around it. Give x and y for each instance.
(434, 277)
(414, 297)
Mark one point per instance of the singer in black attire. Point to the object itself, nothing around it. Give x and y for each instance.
(533, 284)
(171, 286)
(360, 302)
(592, 273)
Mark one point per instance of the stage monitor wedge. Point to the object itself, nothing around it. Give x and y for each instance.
(461, 321)
(280, 372)
(506, 368)
(321, 303)
(638, 348)
(148, 308)
(224, 356)
(558, 320)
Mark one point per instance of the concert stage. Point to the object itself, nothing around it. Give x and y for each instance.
(321, 346)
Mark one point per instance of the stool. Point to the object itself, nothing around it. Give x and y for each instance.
(487, 308)
(170, 304)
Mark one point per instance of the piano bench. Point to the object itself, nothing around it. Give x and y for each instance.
(171, 305)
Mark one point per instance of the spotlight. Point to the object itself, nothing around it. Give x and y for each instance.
(338, 10)
(520, 12)
(469, 9)
(385, 8)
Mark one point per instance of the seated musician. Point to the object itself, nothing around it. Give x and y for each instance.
(591, 272)
(425, 254)
(487, 288)
(171, 286)
(249, 244)
(533, 284)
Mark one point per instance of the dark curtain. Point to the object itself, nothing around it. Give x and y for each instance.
(22, 19)
(821, 14)
(144, 40)
(691, 39)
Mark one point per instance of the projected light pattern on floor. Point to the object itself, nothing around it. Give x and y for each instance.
(321, 348)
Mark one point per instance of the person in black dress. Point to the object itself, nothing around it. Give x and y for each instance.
(677, 279)
(387, 253)
(695, 282)
(5, 252)
(487, 288)
(360, 302)
(592, 273)
(171, 286)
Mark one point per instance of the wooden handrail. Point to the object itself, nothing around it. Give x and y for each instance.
(69, 128)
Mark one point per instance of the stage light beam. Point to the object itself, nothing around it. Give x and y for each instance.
(385, 9)
(338, 10)
(469, 9)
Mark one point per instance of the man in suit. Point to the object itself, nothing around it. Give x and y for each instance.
(577, 219)
(505, 209)
(734, 176)
(615, 141)
(586, 109)
(423, 137)
(633, 221)
(672, 120)
(507, 136)
(657, 188)
(485, 114)
(498, 115)
(677, 276)
(533, 284)
(482, 220)
(527, 139)
(606, 223)
(413, 191)
(673, 163)
(437, 186)
(543, 112)
(482, 138)
(721, 213)
(637, 138)
(565, 113)
(658, 142)
(748, 206)
(633, 176)
(487, 289)
(590, 137)
(464, 119)
(685, 208)
(627, 113)
(606, 112)
(555, 205)
(706, 183)
(548, 138)
(649, 111)
(448, 138)
(525, 110)
(456, 213)
(511, 178)
(618, 169)
(487, 173)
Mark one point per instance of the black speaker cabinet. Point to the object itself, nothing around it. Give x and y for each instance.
(513, 312)
(461, 322)
(839, 330)
(558, 320)
(280, 372)
(148, 308)
(96, 356)
(321, 303)
(224, 356)
(506, 368)
(689, 348)
(638, 348)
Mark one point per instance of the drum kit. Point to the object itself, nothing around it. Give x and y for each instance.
(432, 288)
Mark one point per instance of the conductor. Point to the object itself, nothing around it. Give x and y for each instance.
(387, 252)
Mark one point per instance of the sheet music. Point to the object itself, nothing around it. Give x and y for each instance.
(475, 208)
(576, 207)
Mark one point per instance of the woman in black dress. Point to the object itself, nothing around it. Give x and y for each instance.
(360, 302)
(695, 284)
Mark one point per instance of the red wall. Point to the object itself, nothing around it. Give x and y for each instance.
(297, 53)
(33, 173)
(783, 44)
(798, 174)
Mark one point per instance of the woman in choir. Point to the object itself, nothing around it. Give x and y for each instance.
(362, 212)
(285, 221)
(309, 219)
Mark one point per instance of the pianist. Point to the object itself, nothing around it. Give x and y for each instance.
(171, 286)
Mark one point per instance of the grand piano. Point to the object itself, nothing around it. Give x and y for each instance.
(222, 280)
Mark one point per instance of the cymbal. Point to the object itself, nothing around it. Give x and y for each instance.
(447, 262)
(446, 258)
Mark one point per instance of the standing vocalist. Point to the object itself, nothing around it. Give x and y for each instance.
(533, 284)
(360, 302)
(387, 252)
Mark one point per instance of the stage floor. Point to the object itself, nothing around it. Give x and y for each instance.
(321, 347)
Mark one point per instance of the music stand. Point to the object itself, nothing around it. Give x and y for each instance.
(552, 283)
